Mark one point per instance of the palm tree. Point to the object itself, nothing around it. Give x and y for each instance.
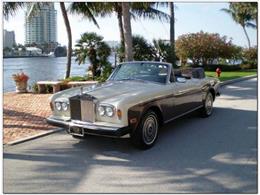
(241, 15)
(127, 31)
(69, 34)
(93, 47)
(11, 7)
(172, 32)
(137, 9)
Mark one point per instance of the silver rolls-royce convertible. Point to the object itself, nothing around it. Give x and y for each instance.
(137, 99)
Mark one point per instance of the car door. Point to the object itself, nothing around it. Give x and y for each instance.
(195, 92)
(178, 102)
(182, 97)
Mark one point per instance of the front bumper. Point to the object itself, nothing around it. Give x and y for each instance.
(89, 128)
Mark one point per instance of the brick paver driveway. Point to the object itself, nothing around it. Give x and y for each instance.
(24, 115)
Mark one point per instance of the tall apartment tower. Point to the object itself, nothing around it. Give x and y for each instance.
(42, 26)
(9, 39)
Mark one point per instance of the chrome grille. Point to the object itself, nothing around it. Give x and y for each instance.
(87, 108)
(82, 108)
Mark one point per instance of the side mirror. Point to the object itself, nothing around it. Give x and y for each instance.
(181, 80)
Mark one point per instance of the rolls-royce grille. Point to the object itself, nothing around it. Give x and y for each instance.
(82, 108)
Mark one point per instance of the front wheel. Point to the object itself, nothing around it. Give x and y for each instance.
(146, 133)
(207, 108)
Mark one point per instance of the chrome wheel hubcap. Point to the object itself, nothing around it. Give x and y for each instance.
(209, 103)
(150, 129)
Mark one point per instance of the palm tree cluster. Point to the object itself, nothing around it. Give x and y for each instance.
(124, 11)
(244, 13)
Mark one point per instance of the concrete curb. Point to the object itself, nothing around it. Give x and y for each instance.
(223, 83)
(22, 140)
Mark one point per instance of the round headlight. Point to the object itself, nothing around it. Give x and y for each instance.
(101, 110)
(64, 106)
(109, 111)
(58, 106)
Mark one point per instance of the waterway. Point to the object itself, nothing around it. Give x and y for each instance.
(40, 68)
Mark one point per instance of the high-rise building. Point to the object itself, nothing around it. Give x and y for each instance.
(42, 26)
(9, 39)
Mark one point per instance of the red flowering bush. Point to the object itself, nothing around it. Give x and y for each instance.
(20, 77)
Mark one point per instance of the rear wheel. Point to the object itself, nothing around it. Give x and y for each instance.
(146, 133)
(207, 108)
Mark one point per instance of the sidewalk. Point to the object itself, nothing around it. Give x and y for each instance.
(24, 115)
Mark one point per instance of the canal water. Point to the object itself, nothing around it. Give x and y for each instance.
(40, 68)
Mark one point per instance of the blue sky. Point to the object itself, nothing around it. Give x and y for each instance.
(190, 18)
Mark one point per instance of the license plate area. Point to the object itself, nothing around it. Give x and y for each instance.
(76, 131)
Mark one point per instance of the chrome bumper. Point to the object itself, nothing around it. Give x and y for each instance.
(89, 128)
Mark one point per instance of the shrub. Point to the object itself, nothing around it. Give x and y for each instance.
(49, 88)
(203, 48)
(35, 88)
(107, 70)
(246, 66)
(223, 67)
(76, 78)
(250, 57)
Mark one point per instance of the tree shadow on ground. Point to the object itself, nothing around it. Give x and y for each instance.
(24, 120)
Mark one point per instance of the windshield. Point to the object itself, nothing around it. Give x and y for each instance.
(142, 71)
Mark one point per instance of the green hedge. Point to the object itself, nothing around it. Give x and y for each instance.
(223, 67)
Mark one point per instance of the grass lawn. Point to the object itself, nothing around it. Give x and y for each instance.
(232, 75)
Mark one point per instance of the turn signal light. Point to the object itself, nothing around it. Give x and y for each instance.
(51, 106)
(119, 114)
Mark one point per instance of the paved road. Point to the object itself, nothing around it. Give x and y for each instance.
(192, 155)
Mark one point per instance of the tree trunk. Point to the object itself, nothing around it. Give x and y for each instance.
(68, 29)
(172, 33)
(127, 31)
(120, 24)
(247, 37)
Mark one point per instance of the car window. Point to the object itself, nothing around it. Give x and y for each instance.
(143, 71)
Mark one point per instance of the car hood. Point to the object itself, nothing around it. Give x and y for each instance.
(111, 89)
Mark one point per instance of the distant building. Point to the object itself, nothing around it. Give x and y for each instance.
(9, 39)
(33, 51)
(42, 27)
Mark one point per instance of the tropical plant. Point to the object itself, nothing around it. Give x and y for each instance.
(92, 47)
(243, 13)
(203, 48)
(162, 50)
(20, 77)
(142, 50)
(146, 10)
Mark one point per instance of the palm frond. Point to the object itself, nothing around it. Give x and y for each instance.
(86, 9)
(147, 10)
(250, 24)
(10, 8)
